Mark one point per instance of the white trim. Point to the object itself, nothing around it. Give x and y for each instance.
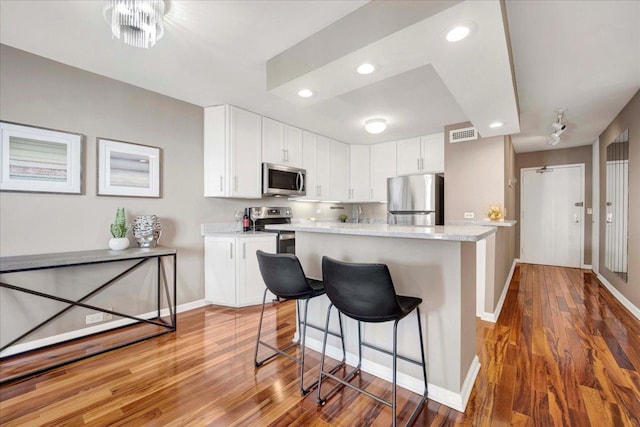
(586, 267)
(623, 300)
(493, 317)
(79, 333)
(457, 401)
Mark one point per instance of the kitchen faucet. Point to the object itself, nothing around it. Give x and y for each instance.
(358, 210)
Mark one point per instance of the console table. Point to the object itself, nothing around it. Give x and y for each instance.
(163, 316)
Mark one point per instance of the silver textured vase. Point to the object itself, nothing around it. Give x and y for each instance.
(146, 230)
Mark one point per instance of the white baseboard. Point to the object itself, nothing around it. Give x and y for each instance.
(79, 333)
(457, 401)
(493, 317)
(623, 300)
(586, 267)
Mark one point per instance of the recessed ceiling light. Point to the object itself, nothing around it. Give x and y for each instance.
(458, 33)
(375, 126)
(366, 68)
(496, 125)
(305, 93)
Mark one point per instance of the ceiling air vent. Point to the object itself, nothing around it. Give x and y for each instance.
(460, 135)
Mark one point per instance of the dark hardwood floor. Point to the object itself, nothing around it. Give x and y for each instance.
(564, 352)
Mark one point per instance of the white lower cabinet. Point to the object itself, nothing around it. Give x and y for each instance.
(231, 273)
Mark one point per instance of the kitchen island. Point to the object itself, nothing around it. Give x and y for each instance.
(437, 264)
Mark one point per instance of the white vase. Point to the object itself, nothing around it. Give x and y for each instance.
(118, 243)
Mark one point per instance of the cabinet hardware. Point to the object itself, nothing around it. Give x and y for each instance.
(220, 183)
(230, 250)
(244, 251)
(371, 194)
(418, 164)
(579, 204)
(284, 158)
(286, 155)
(235, 183)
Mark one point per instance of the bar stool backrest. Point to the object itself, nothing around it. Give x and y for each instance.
(363, 292)
(283, 275)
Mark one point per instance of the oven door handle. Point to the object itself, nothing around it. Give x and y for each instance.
(287, 236)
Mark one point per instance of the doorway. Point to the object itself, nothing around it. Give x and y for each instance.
(552, 215)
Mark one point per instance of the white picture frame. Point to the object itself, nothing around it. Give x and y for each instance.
(127, 169)
(40, 160)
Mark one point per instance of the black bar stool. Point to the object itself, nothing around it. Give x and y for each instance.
(284, 277)
(365, 292)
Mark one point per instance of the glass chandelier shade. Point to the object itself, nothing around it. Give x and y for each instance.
(137, 23)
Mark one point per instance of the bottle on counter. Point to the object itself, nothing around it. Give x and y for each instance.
(245, 221)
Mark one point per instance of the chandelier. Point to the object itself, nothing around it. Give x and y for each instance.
(136, 22)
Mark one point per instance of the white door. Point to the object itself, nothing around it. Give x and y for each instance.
(360, 190)
(383, 166)
(339, 175)
(249, 280)
(409, 156)
(551, 216)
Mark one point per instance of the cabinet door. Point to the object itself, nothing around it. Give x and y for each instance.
(383, 166)
(292, 146)
(360, 164)
(409, 156)
(323, 168)
(339, 179)
(273, 150)
(215, 143)
(433, 153)
(309, 164)
(220, 271)
(246, 150)
(250, 283)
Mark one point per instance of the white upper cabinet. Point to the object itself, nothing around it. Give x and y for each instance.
(421, 154)
(433, 149)
(232, 152)
(323, 169)
(281, 143)
(360, 165)
(309, 164)
(383, 166)
(339, 171)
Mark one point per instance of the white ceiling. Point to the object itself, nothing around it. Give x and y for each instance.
(584, 56)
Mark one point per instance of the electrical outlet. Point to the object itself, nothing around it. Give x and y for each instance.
(318, 211)
(93, 318)
(589, 211)
(469, 215)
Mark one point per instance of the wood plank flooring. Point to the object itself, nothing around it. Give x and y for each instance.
(564, 352)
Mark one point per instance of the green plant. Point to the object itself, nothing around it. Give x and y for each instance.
(342, 218)
(120, 228)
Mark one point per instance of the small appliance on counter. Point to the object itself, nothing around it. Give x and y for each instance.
(269, 215)
(416, 200)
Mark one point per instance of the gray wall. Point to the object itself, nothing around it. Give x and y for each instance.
(40, 92)
(564, 156)
(628, 118)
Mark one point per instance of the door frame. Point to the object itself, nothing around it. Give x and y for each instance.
(582, 167)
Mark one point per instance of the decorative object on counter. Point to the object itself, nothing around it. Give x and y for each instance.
(40, 160)
(126, 169)
(494, 213)
(138, 23)
(254, 215)
(146, 230)
(342, 218)
(238, 215)
(119, 230)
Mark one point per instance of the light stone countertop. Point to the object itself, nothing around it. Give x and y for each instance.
(447, 232)
(484, 222)
(229, 230)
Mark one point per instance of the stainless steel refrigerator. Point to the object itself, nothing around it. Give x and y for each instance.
(416, 199)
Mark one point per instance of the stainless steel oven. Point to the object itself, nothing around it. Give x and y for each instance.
(286, 242)
(278, 180)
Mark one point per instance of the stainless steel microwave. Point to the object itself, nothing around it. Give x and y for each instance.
(278, 180)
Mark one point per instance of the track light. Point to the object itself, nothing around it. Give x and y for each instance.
(554, 139)
(559, 127)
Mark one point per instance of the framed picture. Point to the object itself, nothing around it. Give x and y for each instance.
(40, 160)
(126, 169)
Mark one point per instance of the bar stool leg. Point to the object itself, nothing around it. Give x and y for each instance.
(304, 391)
(255, 358)
(324, 348)
(424, 373)
(395, 373)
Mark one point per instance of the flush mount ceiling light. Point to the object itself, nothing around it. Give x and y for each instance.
(375, 126)
(458, 33)
(495, 125)
(366, 68)
(305, 93)
(137, 23)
